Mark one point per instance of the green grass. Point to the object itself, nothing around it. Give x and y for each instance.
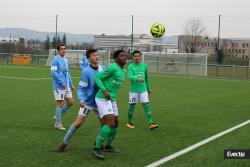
(188, 110)
(229, 72)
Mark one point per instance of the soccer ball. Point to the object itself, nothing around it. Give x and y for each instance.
(157, 30)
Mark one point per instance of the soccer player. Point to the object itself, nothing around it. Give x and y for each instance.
(139, 89)
(109, 82)
(62, 85)
(84, 62)
(86, 94)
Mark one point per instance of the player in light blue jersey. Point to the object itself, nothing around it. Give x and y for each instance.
(62, 85)
(84, 62)
(86, 95)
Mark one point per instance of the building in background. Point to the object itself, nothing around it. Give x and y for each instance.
(232, 48)
(20, 41)
(142, 42)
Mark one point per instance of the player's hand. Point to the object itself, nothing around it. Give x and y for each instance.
(140, 80)
(106, 95)
(149, 92)
(82, 104)
(73, 89)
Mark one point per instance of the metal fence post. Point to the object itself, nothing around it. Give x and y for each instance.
(234, 74)
(157, 64)
(103, 59)
(187, 65)
(217, 70)
(247, 71)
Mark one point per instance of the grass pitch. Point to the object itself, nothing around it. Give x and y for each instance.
(188, 110)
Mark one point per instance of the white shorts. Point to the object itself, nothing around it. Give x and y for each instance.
(106, 107)
(84, 111)
(62, 94)
(138, 97)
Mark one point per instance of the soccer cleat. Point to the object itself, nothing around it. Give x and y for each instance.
(61, 147)
(130, 125)
(111, 149)
(153, 126)
(59, 126)
(97, 152)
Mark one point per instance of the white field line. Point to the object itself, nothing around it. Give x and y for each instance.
(194, 146)
(30, 79)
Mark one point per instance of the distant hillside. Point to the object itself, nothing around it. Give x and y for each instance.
(31, 34)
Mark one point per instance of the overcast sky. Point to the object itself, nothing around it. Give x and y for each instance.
(114, 16)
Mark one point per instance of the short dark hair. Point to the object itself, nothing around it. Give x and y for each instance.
(59, 46)
(116, 53)
(89, 52)
(136, 51)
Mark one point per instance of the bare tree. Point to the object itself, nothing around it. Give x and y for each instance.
(194, 32)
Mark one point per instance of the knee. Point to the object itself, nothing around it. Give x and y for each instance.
(60, 104)
(116, 124)
(77, 124)
(111, 123)
(103, 122)
(70, 103)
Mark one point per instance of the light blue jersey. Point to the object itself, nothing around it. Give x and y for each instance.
(87, 88)
(60, 73)
(84, 62)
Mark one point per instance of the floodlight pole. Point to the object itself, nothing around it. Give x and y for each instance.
(9, 50)
(218, 47)
(218, 43)
(132, 34)
(56, 28)
(56, 33)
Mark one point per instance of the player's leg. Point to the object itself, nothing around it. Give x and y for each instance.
(143, 98)
(105, 130)
(109, 147)
(83, 112)
(69, 102)
(59, 97)
(133, 99)
(104, 133)
(107, 116)
(58, 114)
(112, 135)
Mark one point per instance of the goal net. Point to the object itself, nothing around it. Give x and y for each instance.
(193, 64)
(74, 57)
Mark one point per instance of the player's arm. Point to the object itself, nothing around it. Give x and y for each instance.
(98, 80)
(133, 77)
(146, 78)
(55, 72)
(71, 85)
(82, 88)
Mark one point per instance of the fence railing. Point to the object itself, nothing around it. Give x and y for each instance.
(228, 71)
(166, 68)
